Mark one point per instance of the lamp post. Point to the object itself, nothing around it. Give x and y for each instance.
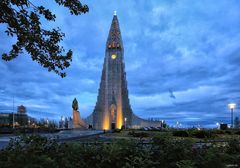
(13, 120)
(29, 122)
(125, 122)
(47, 122)
(231, 106)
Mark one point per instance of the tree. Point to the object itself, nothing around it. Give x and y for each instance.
(22, 18)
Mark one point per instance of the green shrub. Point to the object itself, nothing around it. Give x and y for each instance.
(168, 152)
(209, 157)
(31, 151)
(117, 130)
(185, 164)
(131, 132)
(180, 133)
(218, 132)
(233, 146)
(164, 151)
(237, 132)
(201, 134)
(36, 151)
(140, 134)
(228, 132)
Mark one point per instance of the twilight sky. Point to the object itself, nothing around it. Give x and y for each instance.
(182, 61)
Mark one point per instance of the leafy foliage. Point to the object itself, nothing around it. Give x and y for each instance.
(180, 133)
(196, 133)
(164, 152)
(202, 134)
(139, 134)
(23, 21)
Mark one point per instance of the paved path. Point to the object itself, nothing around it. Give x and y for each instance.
(60, 136)
(4, 141)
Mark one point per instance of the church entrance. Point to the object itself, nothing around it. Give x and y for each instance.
(113, 126)
(113, 112)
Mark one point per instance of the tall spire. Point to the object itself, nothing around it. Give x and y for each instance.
(113, 90)
(114, 37)
(113, 109)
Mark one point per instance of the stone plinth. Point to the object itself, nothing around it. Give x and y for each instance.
(77, 121)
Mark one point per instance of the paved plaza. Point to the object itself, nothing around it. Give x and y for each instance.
(61, 136)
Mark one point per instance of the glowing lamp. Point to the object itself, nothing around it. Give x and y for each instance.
(231, 106)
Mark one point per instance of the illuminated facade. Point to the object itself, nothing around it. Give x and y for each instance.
(113, 109)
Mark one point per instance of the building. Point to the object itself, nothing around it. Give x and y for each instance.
(20, 118)
(5, 119)
(21, 109)
(113, 109)
(113, 105)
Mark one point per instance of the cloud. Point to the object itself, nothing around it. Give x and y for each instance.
(189, 47)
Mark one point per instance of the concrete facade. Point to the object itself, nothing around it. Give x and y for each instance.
(113, 109)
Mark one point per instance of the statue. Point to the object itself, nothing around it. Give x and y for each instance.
(75, 104)
(77, 121)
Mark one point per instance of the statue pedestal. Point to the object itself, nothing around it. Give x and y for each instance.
(77, 121)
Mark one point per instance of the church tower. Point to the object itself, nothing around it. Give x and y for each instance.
(113, 109)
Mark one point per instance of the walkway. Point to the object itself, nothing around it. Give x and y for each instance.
(60, 136)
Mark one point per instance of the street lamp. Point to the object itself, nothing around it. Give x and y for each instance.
(125, 122)
(13, 119)
(231, 106)
(47, 122)
(29, 122)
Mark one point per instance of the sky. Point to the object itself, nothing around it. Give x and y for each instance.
(182, 61)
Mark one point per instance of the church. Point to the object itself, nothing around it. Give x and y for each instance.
(113, 109)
